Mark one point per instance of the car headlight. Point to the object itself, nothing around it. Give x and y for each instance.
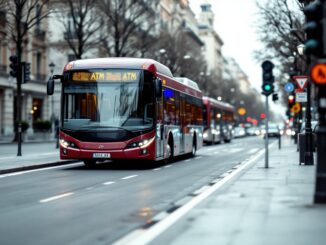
(142, 143)
(65, 144)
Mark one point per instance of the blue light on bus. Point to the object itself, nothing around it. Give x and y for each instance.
(168, 93)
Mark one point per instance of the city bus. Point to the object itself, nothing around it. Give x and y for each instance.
(126, 108)
(218, 121)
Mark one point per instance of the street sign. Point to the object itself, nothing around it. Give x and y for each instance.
(301, 97)
(301, 81)
(242, 111)
(288, 87)
(296, 108)
(318, 73)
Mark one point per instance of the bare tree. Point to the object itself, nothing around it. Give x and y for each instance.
(81, 24)
(128, 25)
(281, 31)
(23, 15)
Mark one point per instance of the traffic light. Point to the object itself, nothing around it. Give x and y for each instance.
(26, 71)
(13, 65)
(291, 99)
(314, 28)
(275, 97)
(268, 78)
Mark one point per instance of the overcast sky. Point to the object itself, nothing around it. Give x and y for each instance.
(235, 23)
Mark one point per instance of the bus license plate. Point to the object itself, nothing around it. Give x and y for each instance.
(101, 155)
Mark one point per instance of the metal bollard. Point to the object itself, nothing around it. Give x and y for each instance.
(302, 147)
(279, 141)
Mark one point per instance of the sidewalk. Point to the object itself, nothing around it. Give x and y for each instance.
(259, 206)
(34, 155)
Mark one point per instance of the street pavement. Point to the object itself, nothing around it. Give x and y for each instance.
(260, 206)
(34, 155)
(257, 206)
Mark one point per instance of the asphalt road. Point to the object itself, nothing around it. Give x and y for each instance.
(75, 205)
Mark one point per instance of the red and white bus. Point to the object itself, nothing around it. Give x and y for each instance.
(127, 108)
(218, 121)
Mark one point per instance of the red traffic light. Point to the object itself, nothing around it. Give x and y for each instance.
(262, 116)
(291, 99)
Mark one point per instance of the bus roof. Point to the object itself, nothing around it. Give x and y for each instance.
(219, 104)
(188, 82)
(120, 62)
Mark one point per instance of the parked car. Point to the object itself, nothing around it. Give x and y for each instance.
(239, 132)
(253, 131)
(273, 130)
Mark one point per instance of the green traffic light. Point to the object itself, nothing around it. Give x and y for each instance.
(267, 87)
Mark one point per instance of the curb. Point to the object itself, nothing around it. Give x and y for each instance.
(37, 166)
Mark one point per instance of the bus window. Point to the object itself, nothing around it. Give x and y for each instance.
(169, 106)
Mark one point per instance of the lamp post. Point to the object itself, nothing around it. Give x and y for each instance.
(162, 52)
(308, 156)
(186, 58)
(52, 66)
(297, 116)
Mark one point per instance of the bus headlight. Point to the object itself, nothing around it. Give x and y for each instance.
(66, 143)
(142, 143)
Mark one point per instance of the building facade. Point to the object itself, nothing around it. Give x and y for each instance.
(35, 104)
(213, 42)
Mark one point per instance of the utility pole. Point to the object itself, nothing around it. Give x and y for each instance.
(19, 49)
(267, 89)
(318, 75)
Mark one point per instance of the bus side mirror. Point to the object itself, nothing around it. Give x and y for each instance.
(50, 86)
(158, 88)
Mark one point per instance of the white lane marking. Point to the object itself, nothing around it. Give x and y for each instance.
(145, 236)
(155, 169)
(167, 166)
(37, 170)
(188, 160)
(198, 157)
(129, 177)
(108, 183)
(56, 197)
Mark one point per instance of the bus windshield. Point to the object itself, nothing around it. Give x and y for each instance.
(108, 99)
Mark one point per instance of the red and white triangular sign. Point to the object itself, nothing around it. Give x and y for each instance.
(301, 81)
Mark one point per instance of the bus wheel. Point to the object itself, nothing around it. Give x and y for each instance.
(169, 149)
(194, 147)
(89, 163)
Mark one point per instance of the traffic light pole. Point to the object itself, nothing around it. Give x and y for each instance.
(266, 134)
(309, 155)
(320, 187)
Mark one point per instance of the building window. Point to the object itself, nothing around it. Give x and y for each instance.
(38, 63)
(37, 109)
(38, 10)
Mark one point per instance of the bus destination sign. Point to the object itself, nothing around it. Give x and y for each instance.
(105, 76)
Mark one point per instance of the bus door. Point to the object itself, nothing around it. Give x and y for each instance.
(159, 130)
(183, 125)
